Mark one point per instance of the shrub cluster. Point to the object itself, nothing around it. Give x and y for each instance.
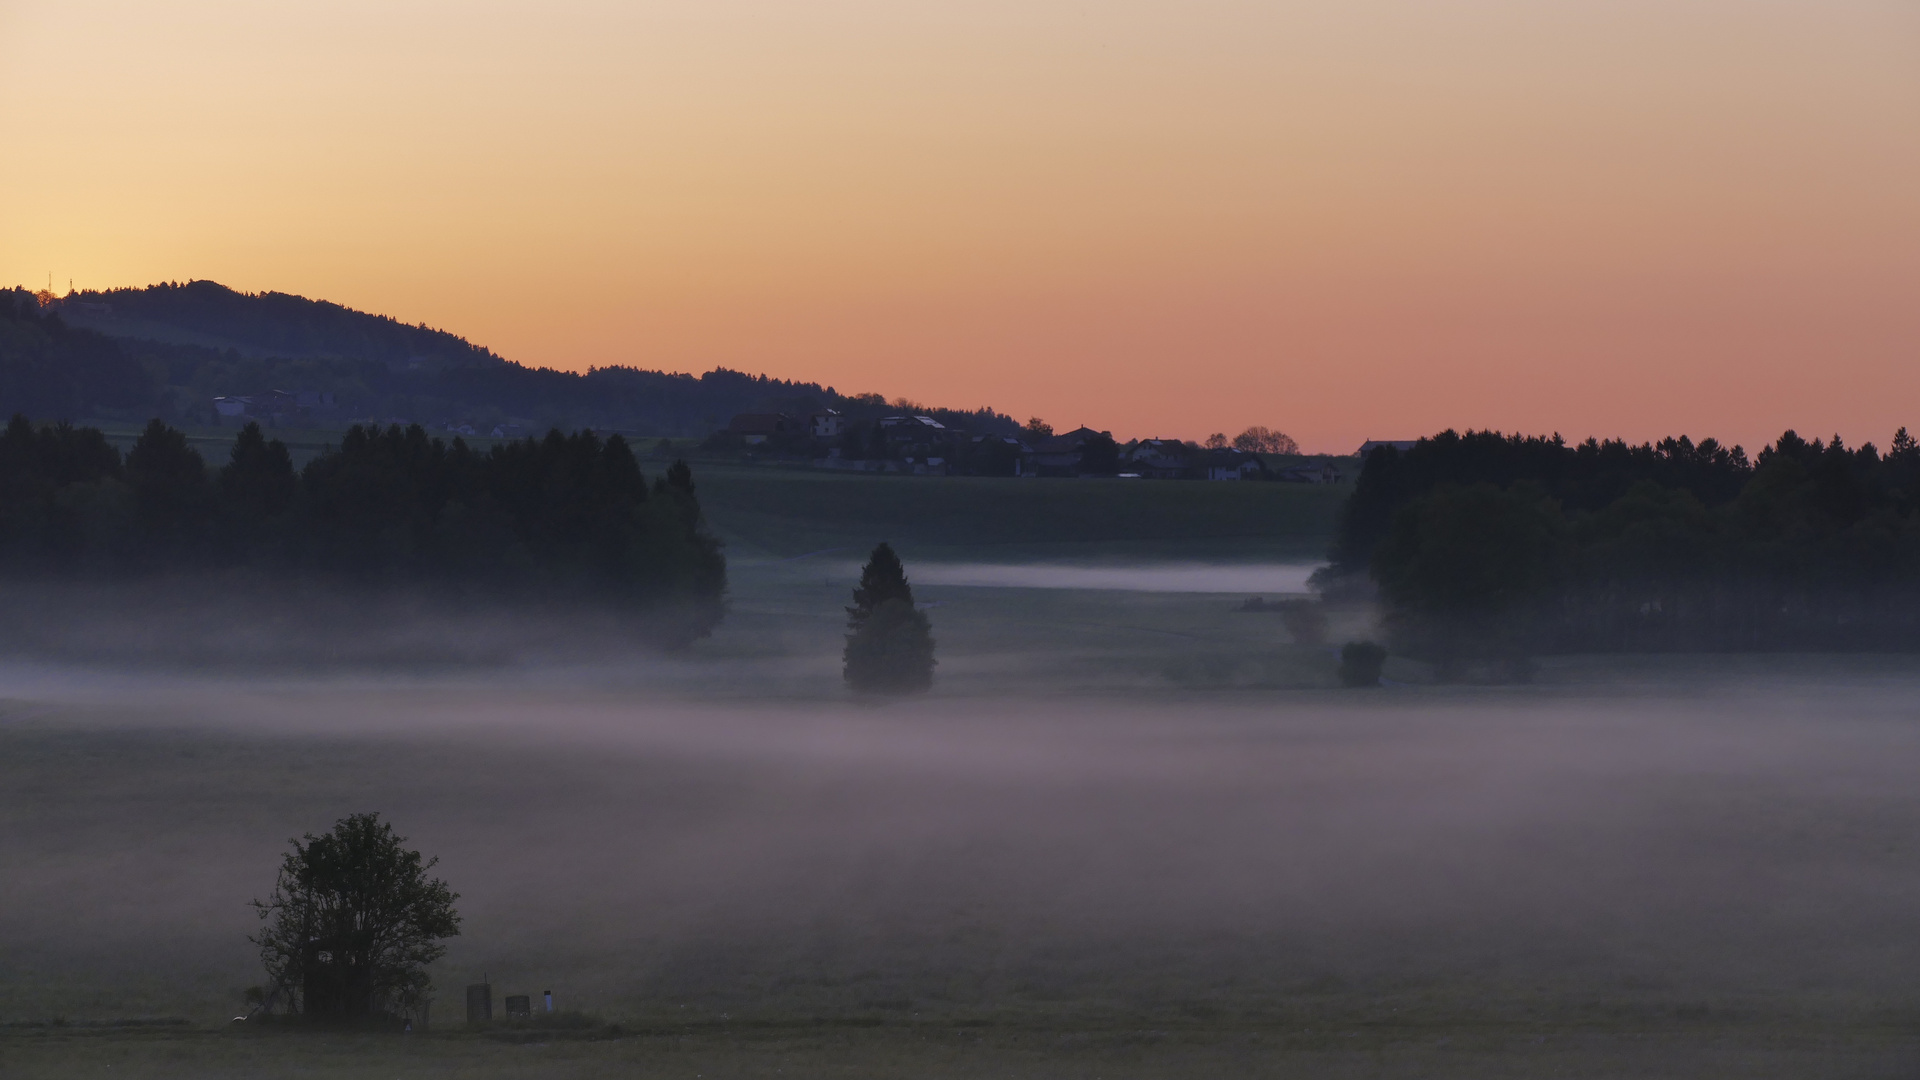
(567, 517)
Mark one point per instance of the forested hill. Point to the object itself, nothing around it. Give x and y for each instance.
(167, 351)
(267, 324)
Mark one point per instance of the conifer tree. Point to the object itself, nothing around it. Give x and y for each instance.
(258, 481)
(171, 496)
(883, 579)
(889, 642)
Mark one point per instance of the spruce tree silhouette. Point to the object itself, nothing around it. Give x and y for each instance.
(172, 498)
(883, 579)
(258, 481)
(889, 642)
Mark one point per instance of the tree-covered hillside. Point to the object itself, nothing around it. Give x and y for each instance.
(167, 351)
(267, 324)
(50, 369)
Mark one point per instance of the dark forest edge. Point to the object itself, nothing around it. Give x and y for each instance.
(567, 520)
(1490, 548)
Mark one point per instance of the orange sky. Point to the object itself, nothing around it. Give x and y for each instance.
(1341, 218)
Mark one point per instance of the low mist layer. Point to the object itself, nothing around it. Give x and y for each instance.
(1175, 577)
(1474, 853)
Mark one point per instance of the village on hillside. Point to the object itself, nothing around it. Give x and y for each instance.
(907, 443)
(923, 446)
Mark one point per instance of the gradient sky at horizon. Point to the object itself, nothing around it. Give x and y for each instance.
(1342, 218)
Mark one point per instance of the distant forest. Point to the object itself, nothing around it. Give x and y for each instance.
(168, 350)
(1491, 547)
(568, 519)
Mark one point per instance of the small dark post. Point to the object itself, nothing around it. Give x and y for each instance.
(520, 1005)
(479, 1003)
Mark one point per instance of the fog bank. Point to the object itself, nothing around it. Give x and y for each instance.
(1160, 577)
(1500, 851)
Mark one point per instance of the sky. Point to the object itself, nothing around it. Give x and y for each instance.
(1344, 219)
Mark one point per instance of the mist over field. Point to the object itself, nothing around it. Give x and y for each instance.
(1646, 849)
(1244, 579)
(1133, 810)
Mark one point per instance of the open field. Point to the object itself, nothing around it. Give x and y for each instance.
(788, 510)
(1129, 834)
(791, 512)
(1680, 1050)
(1133, 832)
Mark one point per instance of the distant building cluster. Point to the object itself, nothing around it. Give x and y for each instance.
(277, 408)
(922, 446)
(506, 429)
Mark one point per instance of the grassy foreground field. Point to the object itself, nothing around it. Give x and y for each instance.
(933, 1050)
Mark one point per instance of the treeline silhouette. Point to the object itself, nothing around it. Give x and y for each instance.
(1493, 547)
(566, 518)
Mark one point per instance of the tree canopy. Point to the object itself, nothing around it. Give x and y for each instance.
(1265, 440)
(353, 922)
(884, 578)
(1488, 545)
(567, 517)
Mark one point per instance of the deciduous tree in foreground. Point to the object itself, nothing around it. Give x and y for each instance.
(353, 922)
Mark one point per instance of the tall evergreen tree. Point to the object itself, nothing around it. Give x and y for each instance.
(258, 481)
(883, 579)
(889, 642)
(171, 497)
